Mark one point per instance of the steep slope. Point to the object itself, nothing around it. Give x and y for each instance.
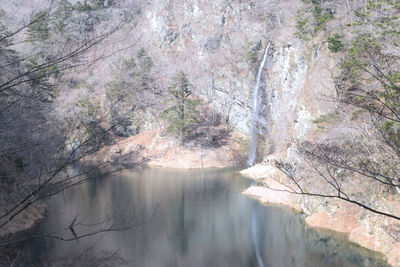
(220, 44)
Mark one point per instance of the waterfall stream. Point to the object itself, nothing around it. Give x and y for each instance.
(253, 151)
(255, 110)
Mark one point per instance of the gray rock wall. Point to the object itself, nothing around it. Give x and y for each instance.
(213, 42)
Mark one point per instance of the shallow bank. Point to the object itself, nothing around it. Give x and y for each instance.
(363, 228)
(24, 221)
(154, 149)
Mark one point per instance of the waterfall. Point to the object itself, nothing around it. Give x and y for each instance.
(255, 110)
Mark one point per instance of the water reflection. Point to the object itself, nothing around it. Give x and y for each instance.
(256, 234)
(198, 222)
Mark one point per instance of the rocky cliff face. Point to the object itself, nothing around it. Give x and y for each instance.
(220, 45)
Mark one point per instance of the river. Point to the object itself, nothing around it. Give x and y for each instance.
(191, 220)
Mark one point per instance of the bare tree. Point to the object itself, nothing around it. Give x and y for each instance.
(365, 169)
(40, 154)
(343, 172)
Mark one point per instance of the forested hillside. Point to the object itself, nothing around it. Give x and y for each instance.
(307, 91)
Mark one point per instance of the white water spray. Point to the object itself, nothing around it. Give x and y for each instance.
(255, 109)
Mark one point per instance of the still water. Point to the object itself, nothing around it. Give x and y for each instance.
(192, 220)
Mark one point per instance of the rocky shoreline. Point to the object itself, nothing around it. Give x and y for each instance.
(368, 230)
(24, 221)
(363, 228)
(155, 149)
(150, 148)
